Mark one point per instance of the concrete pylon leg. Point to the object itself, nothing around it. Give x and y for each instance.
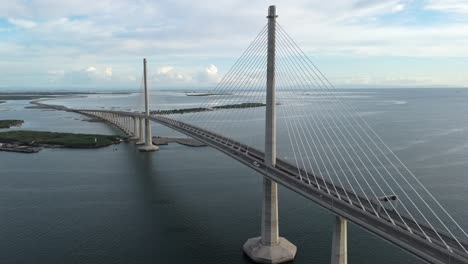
(127, 126)
(340, 242)
(141, 136)
(148, 138)
(136, 130)
(270, 248)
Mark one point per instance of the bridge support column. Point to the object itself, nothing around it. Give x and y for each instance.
(136, 129)
(141, 136)
(128, 126)
(339, 253)
(148, 136)
(270, 248)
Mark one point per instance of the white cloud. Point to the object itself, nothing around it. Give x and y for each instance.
(210, 75)
(56, 72)
(22, 23)
(452, 6)
(398, 8)
(76, 35)
(108, 72)
(165, 69)
(86, 75)
(212, 70)
(90, 69)
(168, 75)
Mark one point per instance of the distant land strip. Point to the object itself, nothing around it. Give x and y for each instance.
(205, 94)
(203, 109)
(10, 122)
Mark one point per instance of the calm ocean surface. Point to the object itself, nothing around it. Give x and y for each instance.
(195, 205)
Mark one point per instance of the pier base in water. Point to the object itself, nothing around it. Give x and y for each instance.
(281, 252)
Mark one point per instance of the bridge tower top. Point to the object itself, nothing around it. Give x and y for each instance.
(147, 112)
(270, 123)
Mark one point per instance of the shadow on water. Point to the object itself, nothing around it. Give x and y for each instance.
(178, 235)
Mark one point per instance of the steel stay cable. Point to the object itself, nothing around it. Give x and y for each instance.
(341, 132)
(289, 75)
(239, 111)
(295, 138)
(234, 71)
(395, 182)
(238, 88)
(304, 84)
(253, 64)
(310, 148)
(307, 141)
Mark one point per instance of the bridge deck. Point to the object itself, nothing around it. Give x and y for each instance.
(351, 209)
(402, 231)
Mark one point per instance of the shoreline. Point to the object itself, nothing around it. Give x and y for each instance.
(8, 123)
(33, 141)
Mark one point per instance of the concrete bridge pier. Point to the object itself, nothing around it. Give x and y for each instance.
(141, 136)
(148, 146)
(136, 129)
(148, 135)
(125, 125)
(131, 129)
(131, 126)
(128, 126)
(270, 247)
(339, 253)
(115, 121)
(123, 121)
(119, 121)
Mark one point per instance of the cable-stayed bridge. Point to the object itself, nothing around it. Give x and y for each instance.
(316, 144)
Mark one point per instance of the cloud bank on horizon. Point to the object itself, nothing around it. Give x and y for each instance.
(358, 43)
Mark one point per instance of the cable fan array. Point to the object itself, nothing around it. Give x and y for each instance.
(323, 135)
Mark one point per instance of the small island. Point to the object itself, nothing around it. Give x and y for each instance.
(6, 97)
(203, 109)
(10, 122)
(204, 94)
(33, 141)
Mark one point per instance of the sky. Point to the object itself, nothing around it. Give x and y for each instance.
(93, 45)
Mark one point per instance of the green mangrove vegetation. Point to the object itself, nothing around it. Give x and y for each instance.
(204, 94)
(203, 109)
(10, 122)
(242, 105)
(55, 139)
